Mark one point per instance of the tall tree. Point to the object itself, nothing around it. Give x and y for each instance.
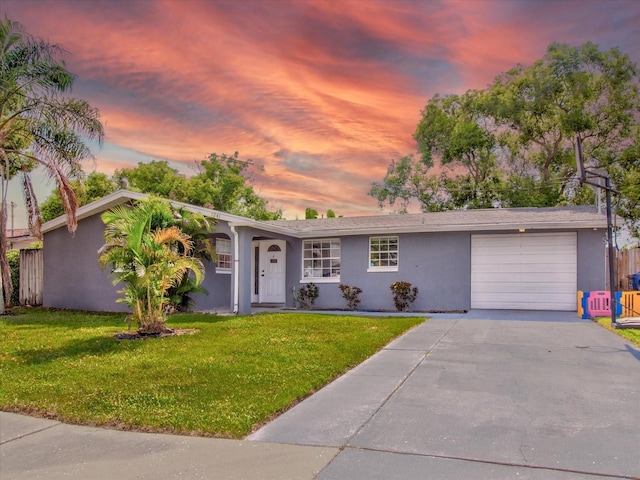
(94, 187)
(572, 91)
(408, 178)
(39, 126)
(223, 184)
(456, 129)
(156, 177)
(512, 144)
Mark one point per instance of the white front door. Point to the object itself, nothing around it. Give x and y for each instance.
(272, 271)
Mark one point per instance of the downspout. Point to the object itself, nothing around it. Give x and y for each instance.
(236, 269)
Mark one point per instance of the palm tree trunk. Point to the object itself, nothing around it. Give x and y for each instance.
(5, 270)
(1, 297)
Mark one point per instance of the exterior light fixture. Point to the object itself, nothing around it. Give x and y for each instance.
(521, 230)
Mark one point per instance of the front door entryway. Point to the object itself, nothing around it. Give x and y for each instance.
(270, 271)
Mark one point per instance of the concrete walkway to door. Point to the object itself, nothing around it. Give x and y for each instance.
(486, 395)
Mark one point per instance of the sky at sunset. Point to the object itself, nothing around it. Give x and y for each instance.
(320, 95)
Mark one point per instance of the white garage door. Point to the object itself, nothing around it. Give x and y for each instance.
(528, 271)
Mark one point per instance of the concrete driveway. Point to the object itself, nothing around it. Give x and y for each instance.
(486, 395)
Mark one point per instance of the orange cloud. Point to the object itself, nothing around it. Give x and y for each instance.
(320, 94)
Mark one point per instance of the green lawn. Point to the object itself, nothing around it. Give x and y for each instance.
(233, 374)
(631, 334)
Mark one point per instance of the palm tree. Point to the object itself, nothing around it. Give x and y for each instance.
(39, 127)
(199, 228)
(149, 261)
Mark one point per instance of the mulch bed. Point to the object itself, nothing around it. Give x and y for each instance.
(169, 332)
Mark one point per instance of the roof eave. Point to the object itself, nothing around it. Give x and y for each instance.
(122, 196)
(514, 227)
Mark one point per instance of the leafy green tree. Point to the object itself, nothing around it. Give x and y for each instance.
(39, 126)
(155, 178)
(148, 261)
(512, 144)
(223, 185)
(310, 214)
(94, 187)
(199, 229)
(14, 262)
(407, 179)
(572, 91)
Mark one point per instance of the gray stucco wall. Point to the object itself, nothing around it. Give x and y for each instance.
(592, 270)
(218, 285)
(439, 264)
(74, 280)
(72, 277)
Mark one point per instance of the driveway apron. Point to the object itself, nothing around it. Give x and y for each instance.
(495, 395)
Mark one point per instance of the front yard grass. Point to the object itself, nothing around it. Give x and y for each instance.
(631, 334)
(233, 374)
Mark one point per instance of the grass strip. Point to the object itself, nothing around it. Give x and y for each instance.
(631, 334)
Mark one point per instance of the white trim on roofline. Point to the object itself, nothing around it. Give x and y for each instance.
(122, 196)
(485, 227)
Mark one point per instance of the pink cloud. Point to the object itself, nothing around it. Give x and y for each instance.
(335, 87)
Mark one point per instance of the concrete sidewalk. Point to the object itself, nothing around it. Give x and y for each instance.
(33, 448)
(486, 395)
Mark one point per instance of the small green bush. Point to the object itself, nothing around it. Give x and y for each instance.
(307, 295)
(403, 295)
(14, 263)
(351, 295)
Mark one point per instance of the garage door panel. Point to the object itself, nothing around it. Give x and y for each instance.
(519, 296)
(534, 274)
(509, 287)
(527, 305)
(524, 271)
(484, 271)
(525, 258)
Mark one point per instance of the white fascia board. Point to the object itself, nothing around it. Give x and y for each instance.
(105, 203)
(266, 227)
(122, 196)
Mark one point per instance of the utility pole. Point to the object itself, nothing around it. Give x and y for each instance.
(13, 206)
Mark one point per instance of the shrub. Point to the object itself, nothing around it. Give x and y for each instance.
(14, 263)
(351, 295)
(307, 295)
(403, 295)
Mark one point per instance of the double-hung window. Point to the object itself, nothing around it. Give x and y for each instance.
(321, 260)
(223, 253)
(383, 254)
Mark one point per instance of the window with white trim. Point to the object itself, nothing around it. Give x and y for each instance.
(383, 254)
(223, 254)
(321, 260)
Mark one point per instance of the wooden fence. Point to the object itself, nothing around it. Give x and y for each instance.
(31, 277)
(627, 264)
